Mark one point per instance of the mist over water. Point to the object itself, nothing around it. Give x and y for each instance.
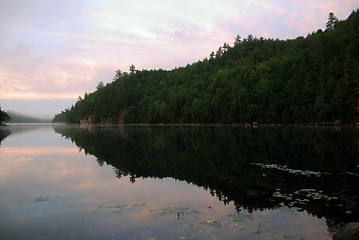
(43, 109)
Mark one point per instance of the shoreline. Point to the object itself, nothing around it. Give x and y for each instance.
(254, 125)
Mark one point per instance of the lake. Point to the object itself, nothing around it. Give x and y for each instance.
(162, 182)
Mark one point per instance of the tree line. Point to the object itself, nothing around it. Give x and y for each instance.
(304, 80)
(4, 117)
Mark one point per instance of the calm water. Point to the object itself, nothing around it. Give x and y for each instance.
(71, 182)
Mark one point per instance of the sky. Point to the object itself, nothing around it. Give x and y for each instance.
(52, 52)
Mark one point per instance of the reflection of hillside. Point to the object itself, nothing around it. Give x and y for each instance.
(19, 128)
(4, 133)
(221, 160)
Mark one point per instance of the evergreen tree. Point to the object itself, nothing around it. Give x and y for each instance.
(100, 85)
(132, 69)
(4, 117)
(332, 20)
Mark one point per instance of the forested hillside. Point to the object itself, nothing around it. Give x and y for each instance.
(305, 80)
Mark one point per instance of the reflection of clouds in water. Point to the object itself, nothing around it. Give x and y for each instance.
(20, 162)
(287, 223)
(43, 186)
(34, 135)
(49, 172)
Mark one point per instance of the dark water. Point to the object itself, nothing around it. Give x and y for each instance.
(71, 182)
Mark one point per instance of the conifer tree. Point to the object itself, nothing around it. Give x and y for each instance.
(332, 20)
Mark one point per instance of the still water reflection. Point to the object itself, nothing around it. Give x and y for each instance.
(176, 182)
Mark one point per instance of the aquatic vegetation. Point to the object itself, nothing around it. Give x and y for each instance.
(353, 174)
(314, 194)
(210, 223)
(42, 199)
(139, 205)
(241, 218)
(307, 173)
(301, 197)
(119, 206)
(178, 211)
(260, 229)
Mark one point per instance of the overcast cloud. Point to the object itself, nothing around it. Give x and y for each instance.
(60, 49)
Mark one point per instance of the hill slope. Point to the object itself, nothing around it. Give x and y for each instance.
(305, 80)
(4, 117)
(22, 118)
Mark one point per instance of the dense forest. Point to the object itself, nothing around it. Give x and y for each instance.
(4, 117)
(312, 79)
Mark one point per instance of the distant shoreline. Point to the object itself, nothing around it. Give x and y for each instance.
(214, 124)
(34, 124)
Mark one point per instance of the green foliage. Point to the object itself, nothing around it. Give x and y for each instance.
(4, 117)
(305, 80)
(100, 85)
(332, 20)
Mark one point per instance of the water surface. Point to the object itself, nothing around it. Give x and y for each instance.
(71, 182)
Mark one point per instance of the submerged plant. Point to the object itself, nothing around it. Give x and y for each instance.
(241, 218)
(178, 211)
(214, 224)
(307, 173)
(42, 199)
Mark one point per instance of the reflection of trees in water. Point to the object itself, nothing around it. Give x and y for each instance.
(4, 133)
(219, 159)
